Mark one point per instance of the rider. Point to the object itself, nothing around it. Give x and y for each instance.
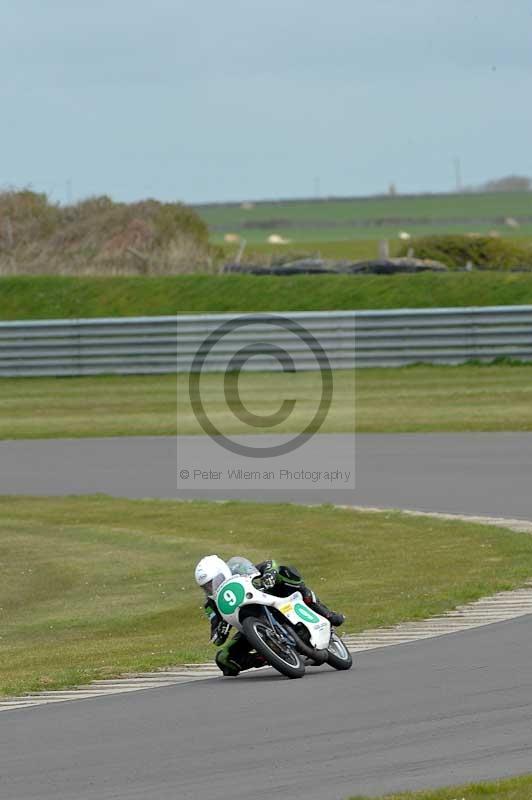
(273, 578)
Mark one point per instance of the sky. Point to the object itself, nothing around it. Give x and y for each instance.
(212, 101)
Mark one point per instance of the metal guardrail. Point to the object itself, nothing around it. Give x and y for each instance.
(153, 345)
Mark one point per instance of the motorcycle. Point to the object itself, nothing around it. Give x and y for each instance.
(284, 630)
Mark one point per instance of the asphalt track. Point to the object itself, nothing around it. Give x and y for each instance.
(431, 713)
(436, 712)
(477, 473)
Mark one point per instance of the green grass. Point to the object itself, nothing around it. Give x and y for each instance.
(327, 247)
(55, 297)
(308, 237)
(415, 399)
(376, 218)
(426, 398)
(436, 206)
(96, 586)
(509, 789)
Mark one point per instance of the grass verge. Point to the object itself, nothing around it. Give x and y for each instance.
(410, 399)
(95, 586)
(509, 789)
(56, 297)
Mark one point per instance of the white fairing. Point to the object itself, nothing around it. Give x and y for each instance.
(238, 591)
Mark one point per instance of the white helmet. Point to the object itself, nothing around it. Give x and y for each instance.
(210, 573)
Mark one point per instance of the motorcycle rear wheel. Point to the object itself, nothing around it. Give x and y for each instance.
(263, 639)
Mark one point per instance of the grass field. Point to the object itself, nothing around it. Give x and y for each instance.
(56, 297)
(414, 399)
(359, 237)
(509, 789)
(314, 244)
(95, 586)
(375, 218)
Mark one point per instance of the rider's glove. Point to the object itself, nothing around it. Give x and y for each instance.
(269, 579)
(220, 634)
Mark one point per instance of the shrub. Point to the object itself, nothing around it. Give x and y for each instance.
(172, 219)
(99, 235)
(484, 252)
(26, 216)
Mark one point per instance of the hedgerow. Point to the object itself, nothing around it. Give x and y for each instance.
(482, 252)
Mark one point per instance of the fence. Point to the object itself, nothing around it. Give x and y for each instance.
(150, 344)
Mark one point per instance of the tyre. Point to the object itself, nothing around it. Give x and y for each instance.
(338, 656)
(263, 638)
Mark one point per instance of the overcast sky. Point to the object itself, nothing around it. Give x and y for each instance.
(206, 100)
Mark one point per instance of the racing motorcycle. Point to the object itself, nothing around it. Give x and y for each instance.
(284, 630)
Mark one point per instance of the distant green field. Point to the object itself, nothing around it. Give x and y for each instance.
(372, 218)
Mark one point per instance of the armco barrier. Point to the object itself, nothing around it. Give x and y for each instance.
(368, 338)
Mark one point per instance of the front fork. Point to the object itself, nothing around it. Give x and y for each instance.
(283, 633)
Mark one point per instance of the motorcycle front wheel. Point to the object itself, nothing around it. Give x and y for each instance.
(338, 656)
(265, 640)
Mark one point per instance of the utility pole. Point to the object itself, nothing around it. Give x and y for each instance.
(458, 175)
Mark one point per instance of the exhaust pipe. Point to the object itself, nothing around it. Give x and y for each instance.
(318, 656)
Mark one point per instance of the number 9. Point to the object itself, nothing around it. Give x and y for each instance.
(230, 597)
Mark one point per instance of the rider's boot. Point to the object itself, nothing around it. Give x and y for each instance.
(320, 608)
(235, 656)
(253, 661)
(228, 665)
(334, 617)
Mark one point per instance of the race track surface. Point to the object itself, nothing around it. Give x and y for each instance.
(445, 710)
(478, 473)
(436, 712)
